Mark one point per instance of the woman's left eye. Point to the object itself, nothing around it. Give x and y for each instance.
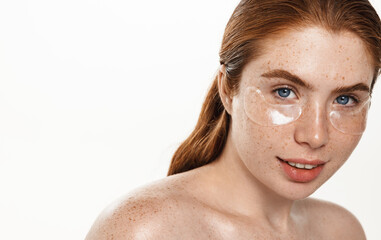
(345, 100)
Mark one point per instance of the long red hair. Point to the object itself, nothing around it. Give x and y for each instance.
(252, 22)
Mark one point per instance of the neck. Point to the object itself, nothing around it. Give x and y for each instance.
(234, 189)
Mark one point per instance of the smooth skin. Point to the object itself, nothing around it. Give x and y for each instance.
(245, 194)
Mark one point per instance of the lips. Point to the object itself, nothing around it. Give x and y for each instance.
(302, 170)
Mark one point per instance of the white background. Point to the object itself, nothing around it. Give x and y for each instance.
(96, 95)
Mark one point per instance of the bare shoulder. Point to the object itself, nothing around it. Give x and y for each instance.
(337, 222)
(146, 213)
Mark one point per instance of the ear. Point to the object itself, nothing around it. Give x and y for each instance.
(224, 95)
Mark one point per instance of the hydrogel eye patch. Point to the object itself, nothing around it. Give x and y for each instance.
(271, 110)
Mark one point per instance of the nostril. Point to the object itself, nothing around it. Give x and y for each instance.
(312, 132)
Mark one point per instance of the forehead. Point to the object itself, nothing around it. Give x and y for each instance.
(319, 57)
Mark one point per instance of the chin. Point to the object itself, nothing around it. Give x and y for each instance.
(297, 191)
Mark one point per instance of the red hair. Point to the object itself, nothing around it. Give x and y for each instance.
(252, 22)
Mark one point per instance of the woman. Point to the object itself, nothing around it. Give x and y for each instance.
(287, 108)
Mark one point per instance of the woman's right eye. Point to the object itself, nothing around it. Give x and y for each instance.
(285, 93)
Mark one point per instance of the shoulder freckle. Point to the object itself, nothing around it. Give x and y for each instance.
(128, 217)
(145, 213)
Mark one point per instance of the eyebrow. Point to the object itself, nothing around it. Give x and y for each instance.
(280, 73)
(353, 88)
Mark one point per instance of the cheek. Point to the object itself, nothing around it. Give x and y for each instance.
(257, 143)
(341, 146)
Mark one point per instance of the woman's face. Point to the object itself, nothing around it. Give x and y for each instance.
(316, 70)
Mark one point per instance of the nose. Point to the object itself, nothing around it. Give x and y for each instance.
(312, 127)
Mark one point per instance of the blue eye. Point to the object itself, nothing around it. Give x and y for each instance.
(284, 92)
(344, 100)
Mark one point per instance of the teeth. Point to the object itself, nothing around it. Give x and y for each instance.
(302, 166)
(299, 165)
(308, 166)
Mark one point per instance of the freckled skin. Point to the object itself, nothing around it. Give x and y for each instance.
(244, 194)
